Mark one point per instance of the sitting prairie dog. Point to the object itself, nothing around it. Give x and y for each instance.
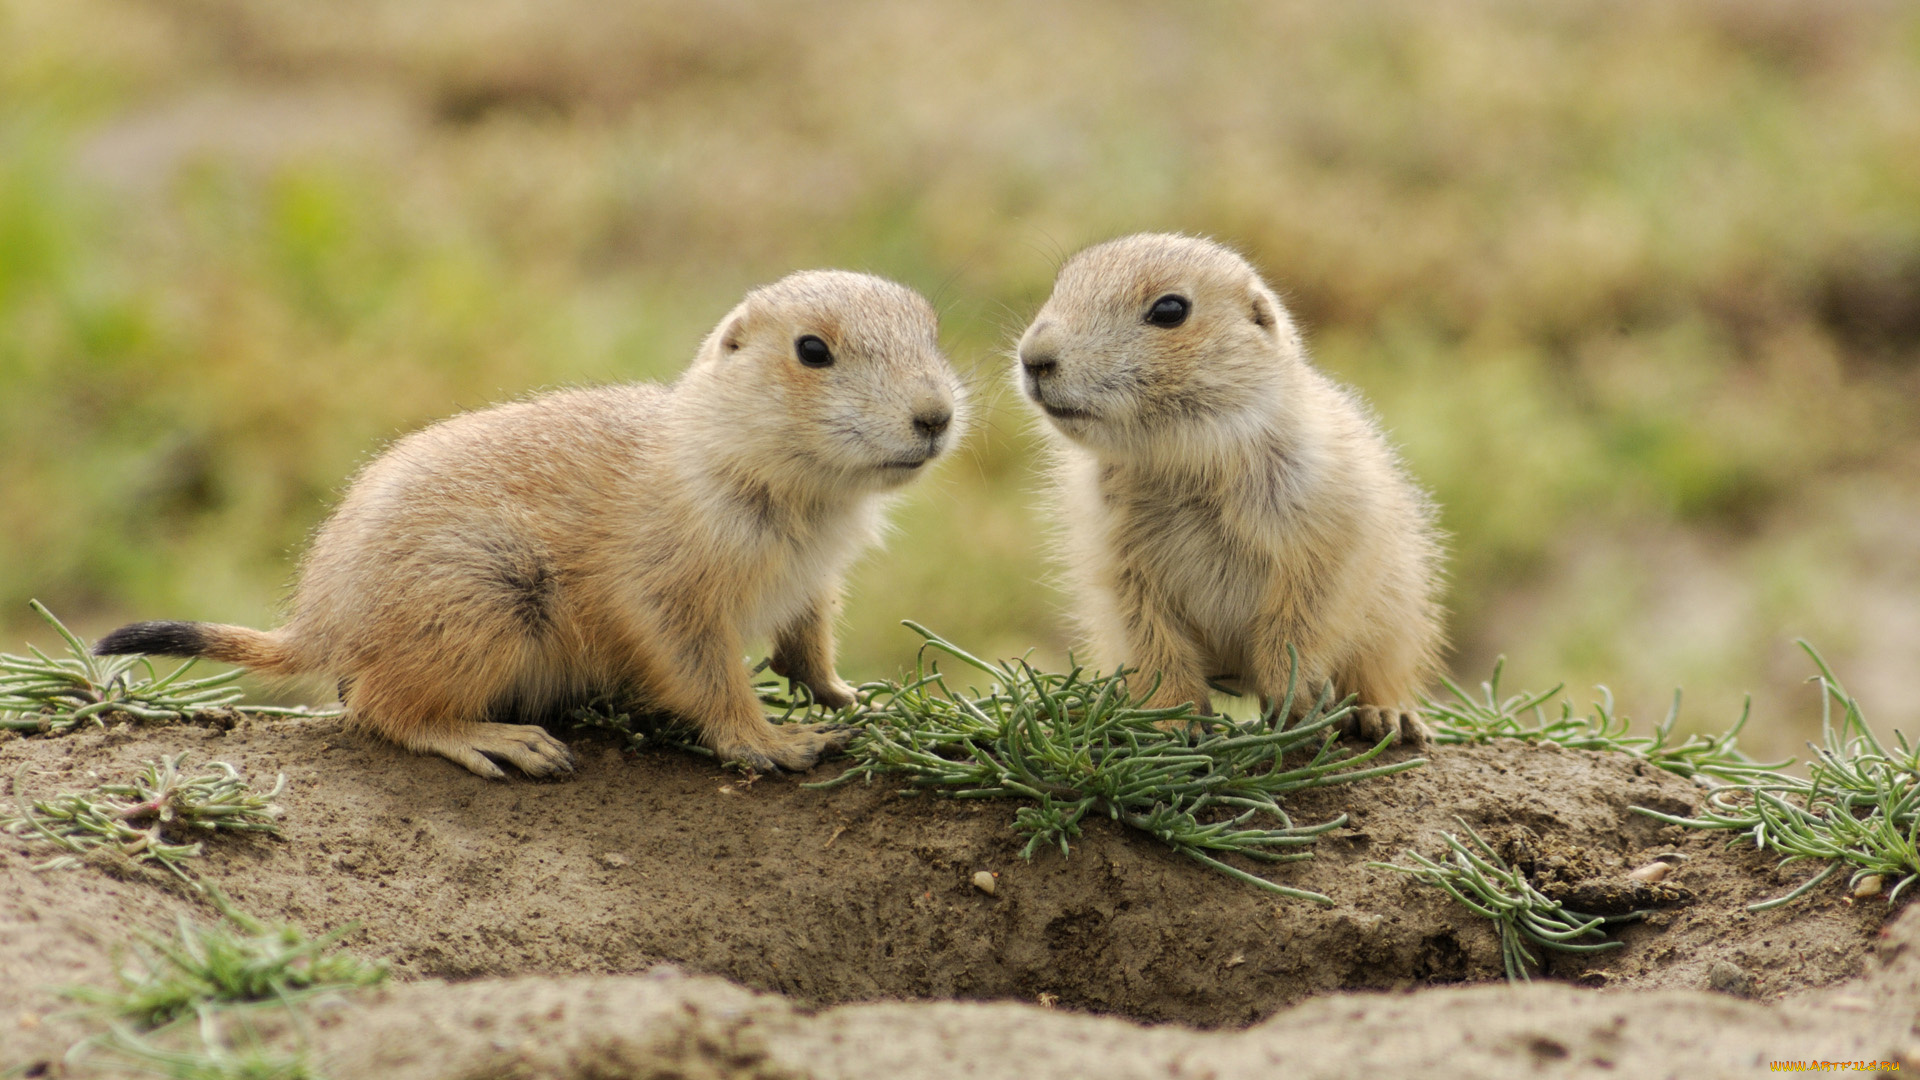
(1221, 497)
(631, 538)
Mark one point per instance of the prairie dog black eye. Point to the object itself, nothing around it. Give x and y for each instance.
(1169, 310)
(813, 352)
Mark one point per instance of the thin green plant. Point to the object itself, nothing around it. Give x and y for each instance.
(635, 728)
(1480, 880)
(239, 960)
(1482, 718)
(1858, 806)
(41, 694)
(157, 818)
(208, 1052)
(1077, 744)
(638, 728)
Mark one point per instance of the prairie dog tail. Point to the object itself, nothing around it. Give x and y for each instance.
(265, 651)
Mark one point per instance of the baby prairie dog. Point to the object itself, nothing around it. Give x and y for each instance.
(1222, 498)
(623, 538)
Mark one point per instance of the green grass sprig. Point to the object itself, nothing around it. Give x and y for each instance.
(1858, 806)
(1488, 716)
(1076, 744)
(154, 819)
(1475, 876)
(40, 693)
(209, 1052)
(239, 960)
(638, 728)
(182, 997)
(43, 694)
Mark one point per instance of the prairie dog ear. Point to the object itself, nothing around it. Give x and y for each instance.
(1264, 311)
(733, 333)
(727, 338)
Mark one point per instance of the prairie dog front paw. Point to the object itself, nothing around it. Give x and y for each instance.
(792, 747)
(1371, 723)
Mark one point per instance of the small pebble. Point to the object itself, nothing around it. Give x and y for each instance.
(1650, 873)
(1868, 886)
(614, 858)
(1730, 978)
(985, 882)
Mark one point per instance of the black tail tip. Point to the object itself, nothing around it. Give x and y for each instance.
(154, 639)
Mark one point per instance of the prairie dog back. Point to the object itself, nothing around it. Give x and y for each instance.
(1222, 498)
(625, 538)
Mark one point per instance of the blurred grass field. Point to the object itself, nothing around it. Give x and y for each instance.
(1635, 285)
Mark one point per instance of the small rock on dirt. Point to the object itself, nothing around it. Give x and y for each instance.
(1730, 978)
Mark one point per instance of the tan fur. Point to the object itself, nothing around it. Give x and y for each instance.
(1221, 497)
(631, 537)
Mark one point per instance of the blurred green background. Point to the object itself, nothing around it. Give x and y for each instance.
(1635, 285)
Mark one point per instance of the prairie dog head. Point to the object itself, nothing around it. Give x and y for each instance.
(831, 380)
(1155, 341)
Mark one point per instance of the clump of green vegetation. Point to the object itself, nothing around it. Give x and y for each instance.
(148, 820)
(209, 1054)
(1478, 878)
(1482, 719)
(637, 727)
(1076, 744)
(239, 960)
(1858, 806)
(212, 975)
(48, 695)
(39, 693)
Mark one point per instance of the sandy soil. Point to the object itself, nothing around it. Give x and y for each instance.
(529, 923)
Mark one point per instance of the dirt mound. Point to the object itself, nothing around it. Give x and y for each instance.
(857, 894)
(665, 1024)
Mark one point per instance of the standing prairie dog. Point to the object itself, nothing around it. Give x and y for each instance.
(630, 538)
(1222, 498)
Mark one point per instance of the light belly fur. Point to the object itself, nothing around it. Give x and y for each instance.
(1214, 589)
